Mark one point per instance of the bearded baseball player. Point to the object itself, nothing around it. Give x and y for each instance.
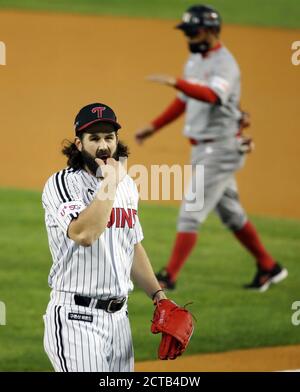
(95, 239)
(209, 94)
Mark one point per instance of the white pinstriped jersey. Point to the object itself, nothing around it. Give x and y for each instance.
(103, 269)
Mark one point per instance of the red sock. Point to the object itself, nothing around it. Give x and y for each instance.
(248, 236)
(183, 246)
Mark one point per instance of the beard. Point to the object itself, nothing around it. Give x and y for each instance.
(199, 47)
(89, 159)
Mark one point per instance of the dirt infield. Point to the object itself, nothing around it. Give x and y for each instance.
(57, 63)
(253, 360)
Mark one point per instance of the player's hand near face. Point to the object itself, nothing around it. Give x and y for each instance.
(92, 221)
(112, 171)
(144, 133)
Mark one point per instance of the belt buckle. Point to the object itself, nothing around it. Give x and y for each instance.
(114, 301)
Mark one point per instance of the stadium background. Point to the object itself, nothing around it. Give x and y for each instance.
(63, 54)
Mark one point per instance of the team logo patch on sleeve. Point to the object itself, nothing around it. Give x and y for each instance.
(70, 207)
(80, 317)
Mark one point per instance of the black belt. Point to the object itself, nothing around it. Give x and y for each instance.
(110, 305)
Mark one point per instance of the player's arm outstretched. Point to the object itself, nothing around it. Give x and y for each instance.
(92, 221)
(171, 113)
(178, 105)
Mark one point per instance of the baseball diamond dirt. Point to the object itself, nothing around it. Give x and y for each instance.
(253, 360)
(78, 59)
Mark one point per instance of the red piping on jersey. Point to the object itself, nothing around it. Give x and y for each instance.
(197, 91)
(215, 48)
(173, 111)
(177, 107)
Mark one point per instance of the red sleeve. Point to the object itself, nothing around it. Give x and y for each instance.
(202, 93)
(173, 111)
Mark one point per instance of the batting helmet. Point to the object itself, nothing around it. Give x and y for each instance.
(199, 16)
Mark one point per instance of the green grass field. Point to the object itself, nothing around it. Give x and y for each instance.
(281, 13)
(228, 317)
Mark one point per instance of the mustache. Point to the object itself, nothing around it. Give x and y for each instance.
(103, 154)
(121, 151)
(89, 160)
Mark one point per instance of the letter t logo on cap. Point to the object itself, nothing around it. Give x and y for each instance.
(99, 110)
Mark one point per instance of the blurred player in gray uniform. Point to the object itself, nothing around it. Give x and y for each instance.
(209, 94)
(95, 241)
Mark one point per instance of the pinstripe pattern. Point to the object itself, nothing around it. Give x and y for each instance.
(59, 340)
(77, 269)
(101, 270)
(103, 345)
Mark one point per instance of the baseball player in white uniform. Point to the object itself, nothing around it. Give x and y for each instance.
(209, 94)
(95, 241)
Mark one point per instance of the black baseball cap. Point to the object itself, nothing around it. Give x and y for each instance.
(93, 113)
(198, 16)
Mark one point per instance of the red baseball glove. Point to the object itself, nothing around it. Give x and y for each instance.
(176, 325)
